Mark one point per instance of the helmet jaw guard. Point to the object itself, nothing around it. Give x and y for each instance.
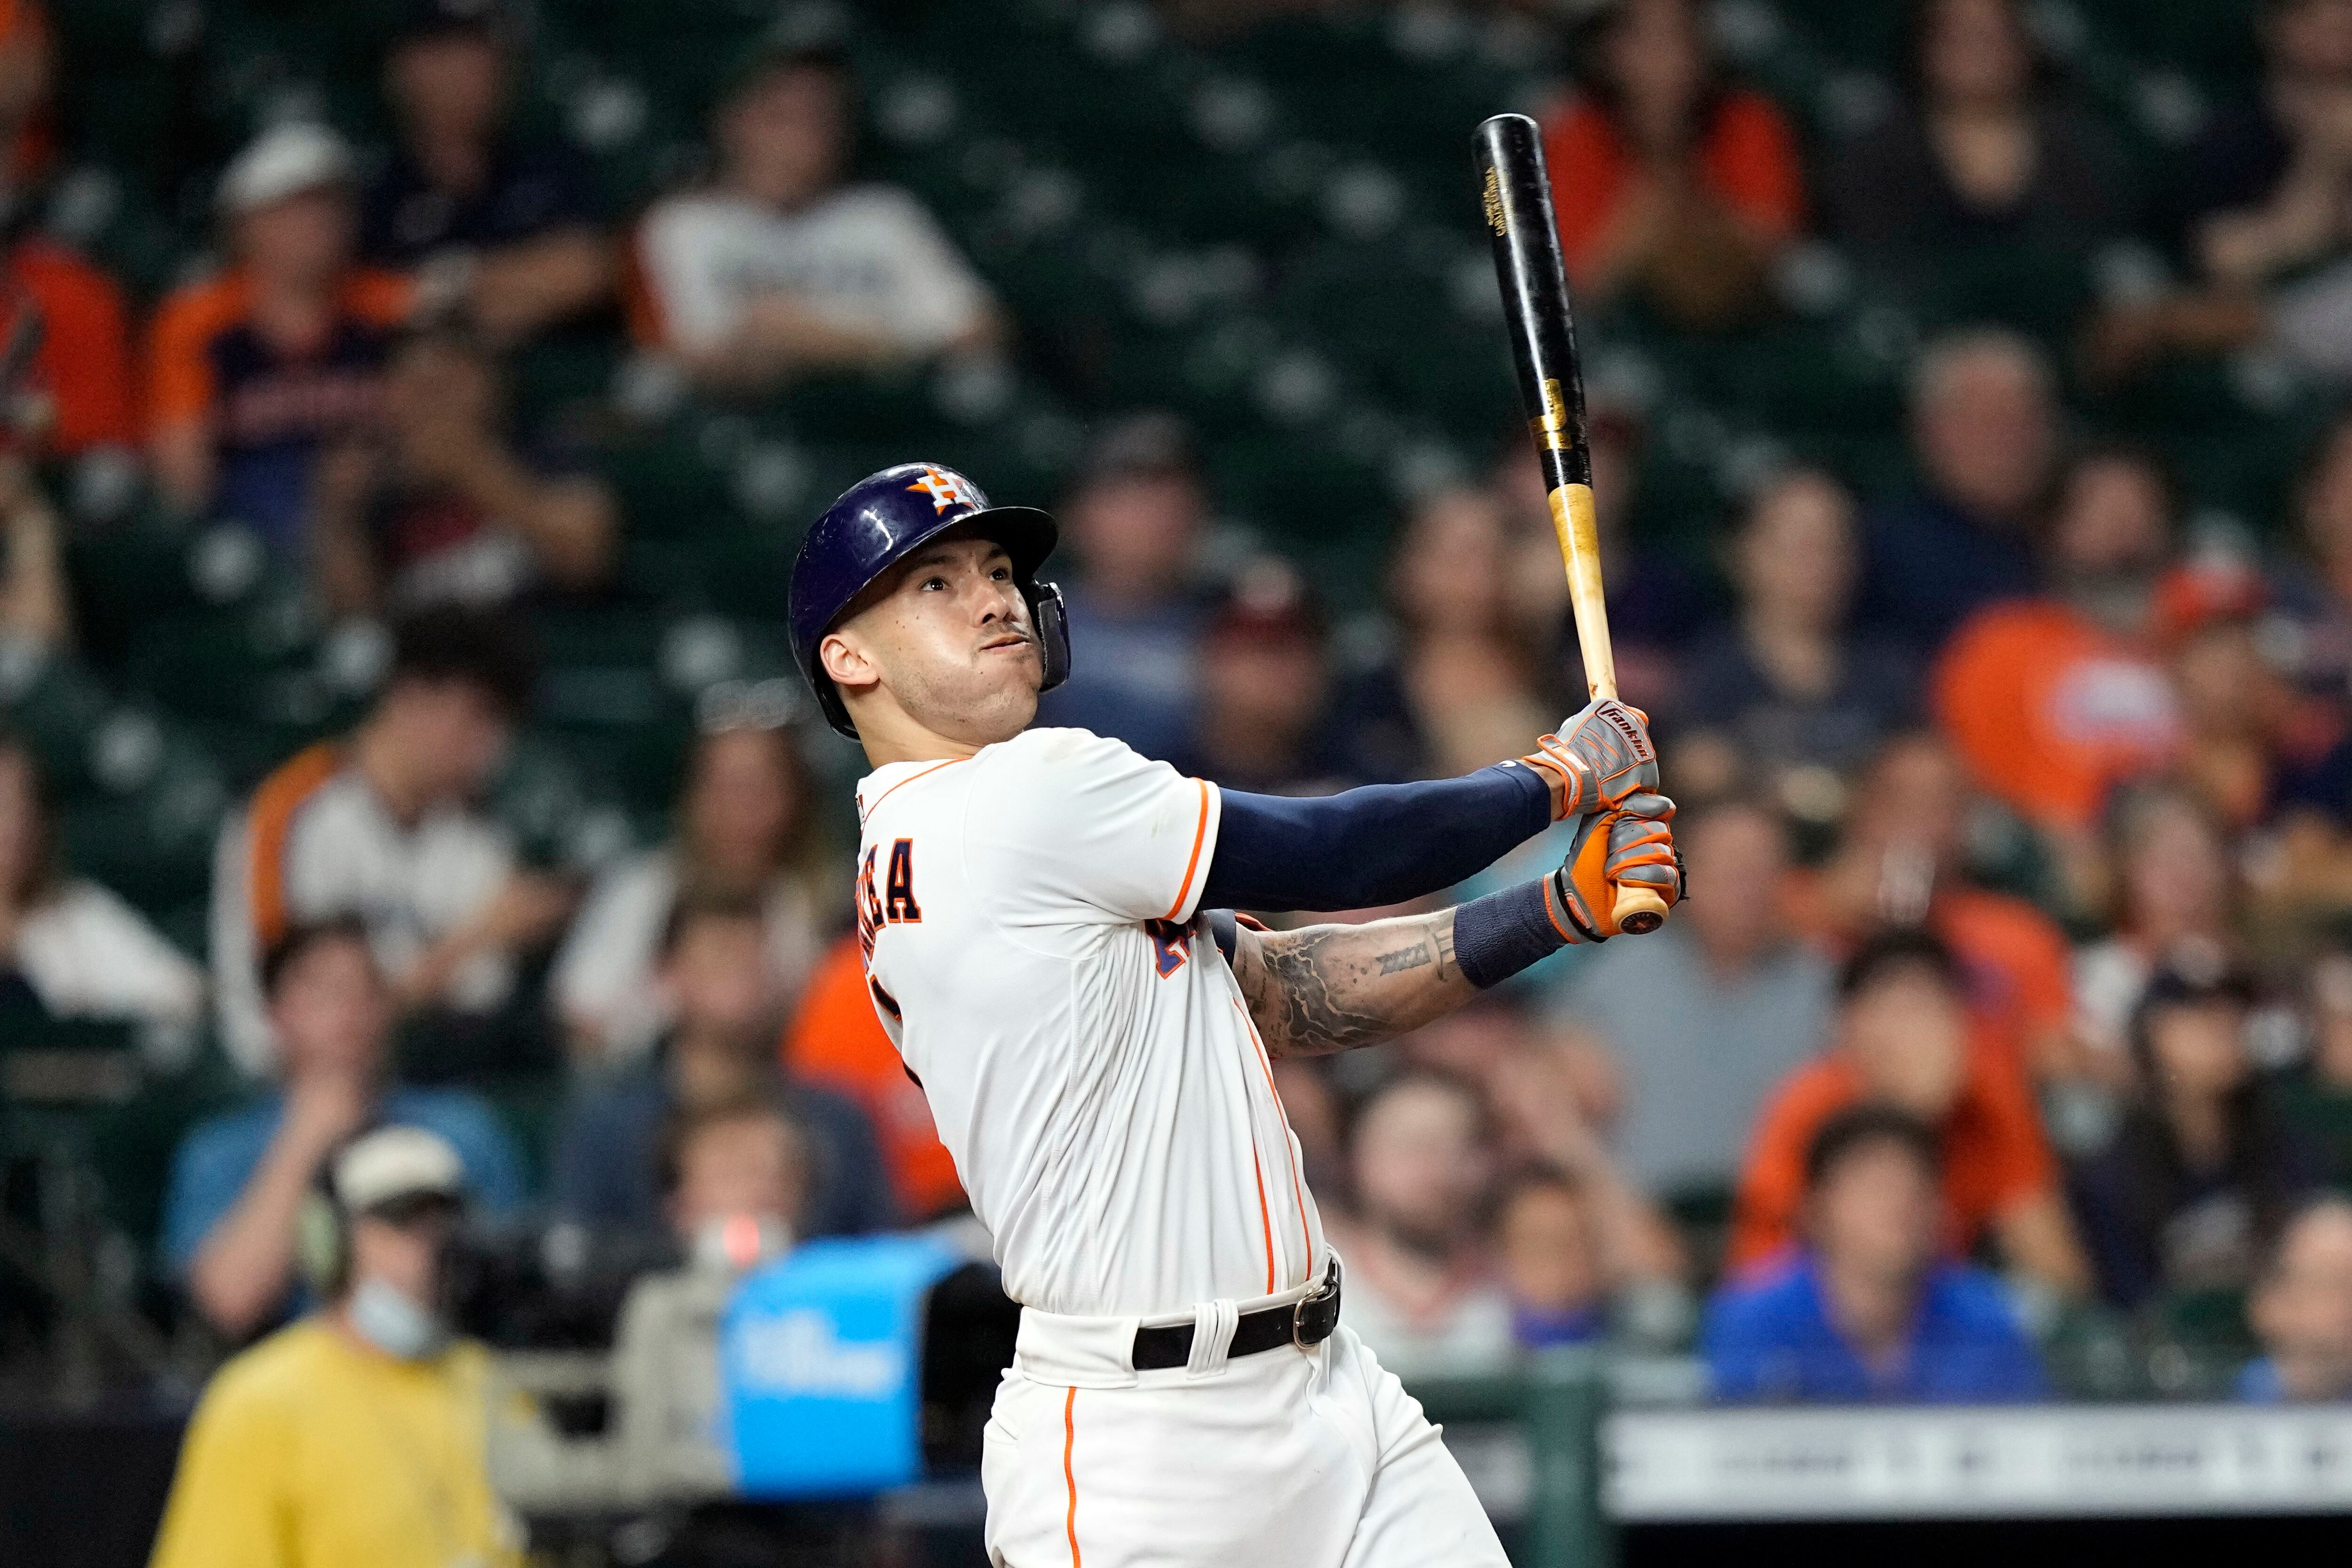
(1051, 619)
(878, 522)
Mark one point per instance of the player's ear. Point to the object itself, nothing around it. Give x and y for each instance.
(848, 664)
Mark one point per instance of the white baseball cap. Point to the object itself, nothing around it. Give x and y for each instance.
(395, 1163)
(284, 160)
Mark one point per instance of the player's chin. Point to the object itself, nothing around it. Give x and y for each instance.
(1004, 698)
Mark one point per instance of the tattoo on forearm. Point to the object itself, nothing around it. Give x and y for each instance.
(1311, 980)
(1436, 946)
(1331, 987)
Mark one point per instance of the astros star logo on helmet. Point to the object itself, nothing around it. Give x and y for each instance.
(943, 489)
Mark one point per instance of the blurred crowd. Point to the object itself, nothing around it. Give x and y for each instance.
(2012, 999)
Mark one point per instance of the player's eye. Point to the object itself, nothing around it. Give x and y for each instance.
(931, 583)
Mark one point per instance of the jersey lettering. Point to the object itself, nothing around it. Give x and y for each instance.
(869, 909)
(1170, 943)
(898, 903)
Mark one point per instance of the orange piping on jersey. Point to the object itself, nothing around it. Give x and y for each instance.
(275, 804)
(1265, 1214)
(902, 783)
(1200, 831)
(1070, 1476)
(1297, 1190)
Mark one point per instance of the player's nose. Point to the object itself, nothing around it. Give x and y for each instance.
(997, 601)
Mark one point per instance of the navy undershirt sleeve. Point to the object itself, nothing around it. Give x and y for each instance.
(1380, 844)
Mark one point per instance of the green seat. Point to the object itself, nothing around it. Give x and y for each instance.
(133, 1144)
(668, 488)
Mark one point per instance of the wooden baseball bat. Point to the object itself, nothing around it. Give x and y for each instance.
(1516, 195)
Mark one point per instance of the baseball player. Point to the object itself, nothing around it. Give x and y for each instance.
(1046, 919)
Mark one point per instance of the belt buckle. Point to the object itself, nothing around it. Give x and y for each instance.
(1328, 1290)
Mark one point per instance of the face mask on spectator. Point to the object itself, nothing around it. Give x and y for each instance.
(393, 1323)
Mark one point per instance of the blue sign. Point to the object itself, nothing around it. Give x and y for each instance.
(820, 1358)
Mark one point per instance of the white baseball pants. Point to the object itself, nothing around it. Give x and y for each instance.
(1288, 1459)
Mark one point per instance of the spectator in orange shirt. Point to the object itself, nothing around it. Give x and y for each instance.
(1904, 1039)
(1685, 187)
(1898, 863)
(81, 369)
(835, 1040)
(2054, 700)
(254, 370)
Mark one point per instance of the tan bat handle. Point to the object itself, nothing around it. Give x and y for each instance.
(1637, 910)
(1579, 527)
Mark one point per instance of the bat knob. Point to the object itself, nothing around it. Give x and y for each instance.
(1639, 910)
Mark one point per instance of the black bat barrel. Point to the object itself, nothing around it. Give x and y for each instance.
(1516, 195)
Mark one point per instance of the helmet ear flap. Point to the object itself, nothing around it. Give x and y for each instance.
(1052, 620)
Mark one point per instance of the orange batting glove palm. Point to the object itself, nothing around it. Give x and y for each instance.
(1633, 845)
(1602, 757)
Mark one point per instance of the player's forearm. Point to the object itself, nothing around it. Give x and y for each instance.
(1365, 848)
(1332, 987)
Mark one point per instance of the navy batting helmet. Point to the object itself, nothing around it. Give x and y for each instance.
(880, 520)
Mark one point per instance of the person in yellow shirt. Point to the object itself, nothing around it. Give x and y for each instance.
(353, 1438)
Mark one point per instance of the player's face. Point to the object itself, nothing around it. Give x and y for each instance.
(949, 643)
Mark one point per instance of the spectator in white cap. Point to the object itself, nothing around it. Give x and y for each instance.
(357, 1435)
(252, 370)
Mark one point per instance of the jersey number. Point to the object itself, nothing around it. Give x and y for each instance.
(1170, 943)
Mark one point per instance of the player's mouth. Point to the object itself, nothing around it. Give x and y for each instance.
(1010, 639)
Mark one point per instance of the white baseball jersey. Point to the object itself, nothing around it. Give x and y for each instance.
(1028, 920)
